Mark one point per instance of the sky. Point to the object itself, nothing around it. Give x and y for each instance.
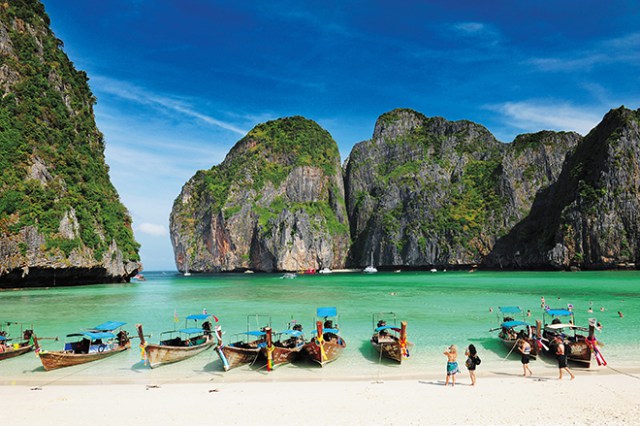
(178, 83)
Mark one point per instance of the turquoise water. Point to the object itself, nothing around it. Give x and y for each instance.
(441, 308)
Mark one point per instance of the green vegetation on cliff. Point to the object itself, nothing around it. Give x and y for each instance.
(51, 153)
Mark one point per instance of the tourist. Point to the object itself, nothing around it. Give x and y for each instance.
(542, 302)
(452, 365)
(473, 360)
(620, 314)
(525, 350)
(562, 358)
(529, 313)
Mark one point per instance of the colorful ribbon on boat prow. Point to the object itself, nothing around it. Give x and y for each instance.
(270, 350)
(143, 352)
(403, 347)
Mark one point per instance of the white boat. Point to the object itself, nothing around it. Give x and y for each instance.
(289, 276)
(325, 271)
(370, 269)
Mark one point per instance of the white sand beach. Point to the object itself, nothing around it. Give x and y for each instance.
(605, 397)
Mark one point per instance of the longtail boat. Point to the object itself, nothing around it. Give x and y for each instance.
(97, 343)
(579, 348)
(12, 347)
(245, 347)
(514, 331)
(177, 345)
(326, 345)
(389, 340)
(284, 348)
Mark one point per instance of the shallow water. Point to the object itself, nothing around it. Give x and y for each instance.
(441, 308)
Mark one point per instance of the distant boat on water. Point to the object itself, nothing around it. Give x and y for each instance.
(370, 269)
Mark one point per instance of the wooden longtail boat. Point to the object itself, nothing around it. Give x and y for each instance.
(98, 343)
(327, 345)
(579, 348)
(245, 347)
(10, 348)
(285, 348)
(513, 331)
(389, 340)
(177, 345)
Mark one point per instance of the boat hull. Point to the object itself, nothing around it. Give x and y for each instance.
(237, 356)
(12, 353)
(158, 355)
(59, 359)
(390, 349)
(581, 353)
(282, 355)
(333, 348)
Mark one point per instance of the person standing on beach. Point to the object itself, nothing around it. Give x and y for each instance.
(452, 364)
(472, 361)
(562, 358)
(525, 350)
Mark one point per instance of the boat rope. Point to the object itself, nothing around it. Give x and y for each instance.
(378, 381)
(633, 376)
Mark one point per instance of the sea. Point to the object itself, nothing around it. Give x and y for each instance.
(441, 308)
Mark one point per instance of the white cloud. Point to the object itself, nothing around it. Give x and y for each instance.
(533, 116)
(152, 229)
(624, 49)
(140, 95)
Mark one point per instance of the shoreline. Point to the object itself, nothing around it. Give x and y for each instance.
(507, 399)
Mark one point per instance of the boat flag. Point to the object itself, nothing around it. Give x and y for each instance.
(215, 318)
(204, 311)
(175, 316)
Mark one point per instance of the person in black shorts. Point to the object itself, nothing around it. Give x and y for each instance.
(562, 358)
(472, 361)
(525, 351)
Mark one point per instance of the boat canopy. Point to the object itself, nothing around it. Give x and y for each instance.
(386, 327)
(94, 335)
(198, 316)
(510, 309)
(108, 326)
(192, 330)
(3, 338)
(327, 330)
(294, 333)
(559, 312)
(255, 333)
(510, 324)
(327, 312)
(559, 326)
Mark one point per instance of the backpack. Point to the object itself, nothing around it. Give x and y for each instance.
(477, 360)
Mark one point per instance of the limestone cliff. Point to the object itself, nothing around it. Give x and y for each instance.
(589, 217)
(61, 220)
(276, 203)
(430, 192)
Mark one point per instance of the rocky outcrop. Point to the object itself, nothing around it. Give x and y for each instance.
(276, 203)
(429, 192)
(588, 218)
(61, 220)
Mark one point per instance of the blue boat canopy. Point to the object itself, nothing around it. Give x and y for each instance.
(294, 333)
(559, 312)
(94, 335)
(509, 324)
(108, 326)
(192, 330)
(199, 316)
(510, 309)
(255, 333)
(3, 338)
(386, 327)
(327, 330)
(327, 312)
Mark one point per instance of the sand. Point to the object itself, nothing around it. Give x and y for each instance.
(605, 397)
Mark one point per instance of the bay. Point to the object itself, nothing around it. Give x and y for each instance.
(441, 308)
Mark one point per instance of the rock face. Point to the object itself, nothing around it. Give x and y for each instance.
(276, 203)
(429, 192)
(589, 217)
(61, 220)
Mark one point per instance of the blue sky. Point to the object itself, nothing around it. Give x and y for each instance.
(178, 83)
